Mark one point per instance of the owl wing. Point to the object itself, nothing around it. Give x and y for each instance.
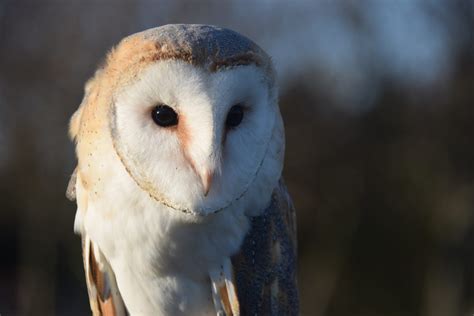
(261, 278)
(104, 295)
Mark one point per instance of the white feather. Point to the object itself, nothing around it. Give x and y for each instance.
(162, 257)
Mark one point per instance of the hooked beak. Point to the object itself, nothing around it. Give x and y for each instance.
(206, 180)
(202, 150)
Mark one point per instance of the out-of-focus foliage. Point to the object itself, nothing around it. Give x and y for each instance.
(377, 98)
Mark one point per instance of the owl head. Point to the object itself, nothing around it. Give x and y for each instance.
(190, 113)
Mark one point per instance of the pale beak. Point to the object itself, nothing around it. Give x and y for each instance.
(206, 180)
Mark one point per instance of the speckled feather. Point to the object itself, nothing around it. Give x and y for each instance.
(265, 268)
(205, 45)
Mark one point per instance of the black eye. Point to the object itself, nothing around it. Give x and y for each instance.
(164, 116)
(235, 116)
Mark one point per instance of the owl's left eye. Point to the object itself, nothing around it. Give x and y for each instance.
(235, 116)
(164, 116)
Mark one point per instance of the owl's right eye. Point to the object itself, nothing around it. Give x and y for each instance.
(164, 116)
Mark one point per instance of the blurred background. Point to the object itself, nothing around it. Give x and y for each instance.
(378, 103)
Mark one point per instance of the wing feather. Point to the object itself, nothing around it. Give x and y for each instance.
(104, 295)
(264, 271)
(71, 187)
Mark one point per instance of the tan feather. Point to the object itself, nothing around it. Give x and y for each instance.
(104, 296)
(224, 295)
(71, 187)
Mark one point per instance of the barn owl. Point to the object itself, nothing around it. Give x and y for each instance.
(180, 201)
